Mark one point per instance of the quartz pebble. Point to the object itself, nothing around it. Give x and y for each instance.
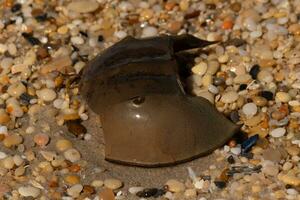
(249, 109)
(16, 89)
(134, 190)
(113, 183)
(149, 31)
(278, 132)
(175, 186)
(63, 144)
(229, 97)
(46, 94)
(283, 97)
(12, 140)
(72, 155)
(200, 68)
(75, 190)
(81, 6)
(29, 191)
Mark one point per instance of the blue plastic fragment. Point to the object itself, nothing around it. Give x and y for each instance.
(247, 144)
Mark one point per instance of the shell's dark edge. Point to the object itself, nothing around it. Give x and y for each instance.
(157, 165)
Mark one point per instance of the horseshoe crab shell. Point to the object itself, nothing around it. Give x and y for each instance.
(147, 118)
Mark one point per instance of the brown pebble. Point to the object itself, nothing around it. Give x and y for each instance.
(174, 26)
(277, 115)
(42, 53)
(106, 194)
(88, 190)
(74, 168)
(170, 5)
(12, 140)
(4, 117)
(76, 128)
(192, 14)
(72, 179)
(41, 139)
(232, 143)
(236, 7)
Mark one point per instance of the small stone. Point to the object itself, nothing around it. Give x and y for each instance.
(287, 166)
(75, 190)
(236, 150)
(12, 140)
(76, 128)
(242, 79)
(29, 191)
(293, 150)
(46, 94)
(220, 184)
(150, 192)
(97, 183)
(267, 94)
(278, 132)
(77, 40)
(175, 186)
(63, 144)
(72, 155)
(4, 189)
(270, 169)
(283, 97)
(8, 162)
(72, 179)
(229, 97)
(213, 89)
(112, 183)
(251, 141)
(88, 190)
(230, 160)
(200, 68)
(289, 179)
(259, 101)
(249, 109)
(265, 76)
(134, 190)
(41, 139)
(16, 89)
(106, 194)
(254, 71)
(149, 31)
(272, 155)
(19, 171)
(83, 6)
(190, 193)
(18, 160)
(223, 58)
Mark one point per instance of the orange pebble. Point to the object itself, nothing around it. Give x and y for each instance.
(227, 24)
(41, 139)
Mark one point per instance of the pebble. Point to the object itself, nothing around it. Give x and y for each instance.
(243, 78)
(149, 31)
(8, 162)
(249, 109)
(41, 139)
(77, 40)
(46, 94)
(175, 186)
(134, 190)
(16, 89)
(12, 140)
(278, 132)
(283, 97)
(289, 179)
(265, 76)
(267, 95)
(106, 194)
(190, 193)
(29, 191)
(72, 155)
(236, 150)
(229, 97)
(259, 101)
(270, 169)
(97, 183)
(72, 179)
(200, 68)
(112, 183)
(83, 6)
(213, 89)
(254, 71)
(293, 150)
(63, 144)
(75, 190)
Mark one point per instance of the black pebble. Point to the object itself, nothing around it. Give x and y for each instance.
(83, 33)
(230, 160)
(32, 40)
(219, 81)
(16, 7)
(220, 184)
(254, 71)
(42, 18)
(25, 98)
(150, 192)
(267, 94)
(100, 38)
(234, 116)
(242, 87)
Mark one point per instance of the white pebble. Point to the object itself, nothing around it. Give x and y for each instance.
(292, 191)
(2, 155)
(3, 129)
(229, 97)
(120, 34)
(149, 31)
(112, 183)
(249, 109)
(46, 94)
(283, 97)
(236, 150)
(72, 155)
(213, 89)
(29, 191)
(134, 190)
(77, 40)
(75, 190)
(278, 132)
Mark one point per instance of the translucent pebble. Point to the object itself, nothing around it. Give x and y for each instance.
(72, 155)
(278, 132)
(46, 94)
(249, 109)
(149, 31)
